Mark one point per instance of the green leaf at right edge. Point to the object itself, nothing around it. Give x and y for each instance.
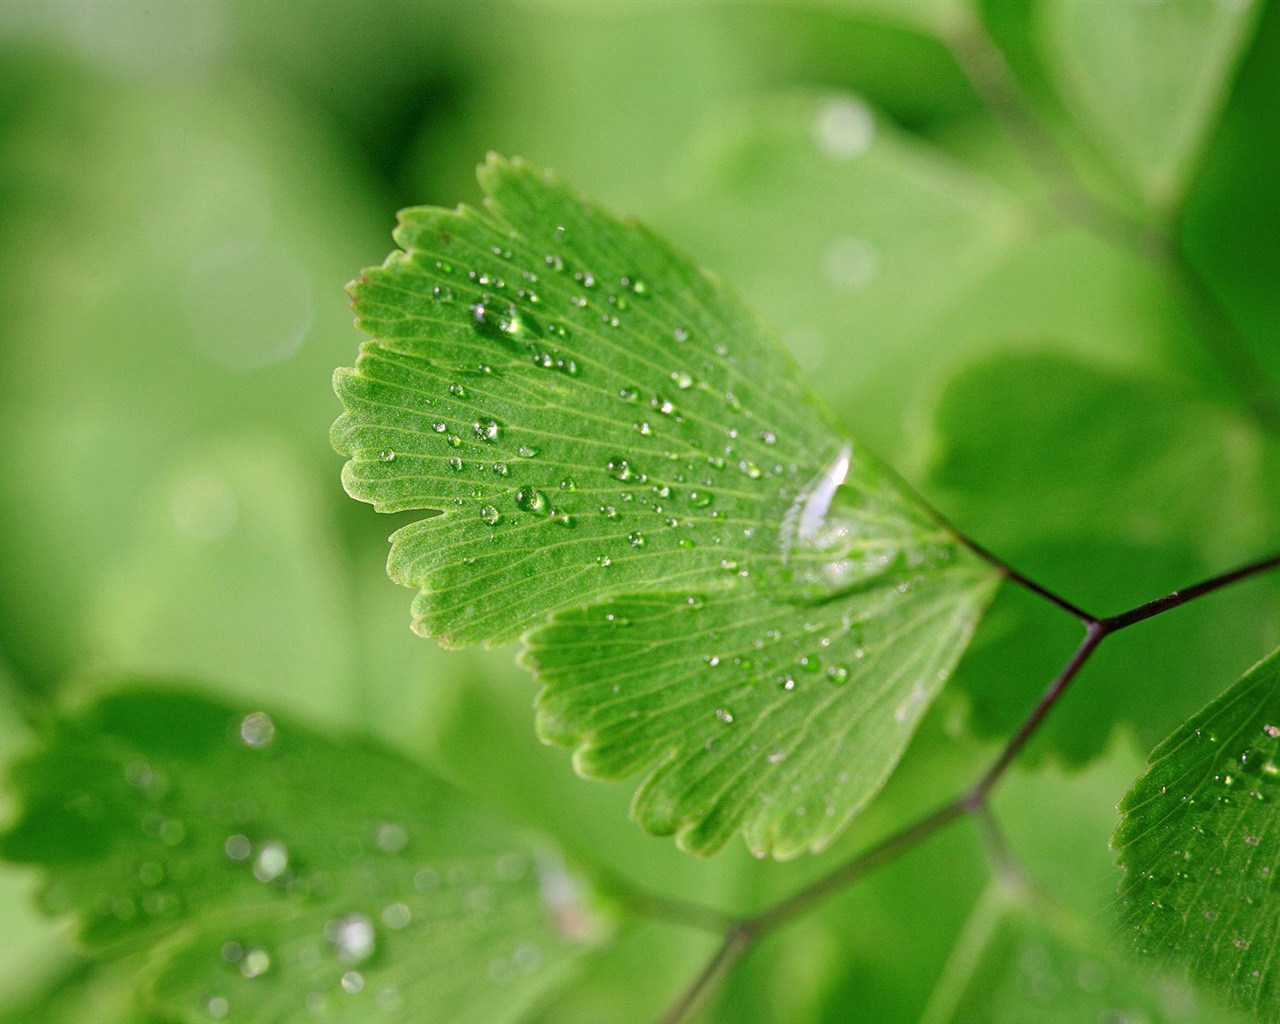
(1022, 958)
(753, 609)
(1147, 78)
(1199, 838)
(264, 872)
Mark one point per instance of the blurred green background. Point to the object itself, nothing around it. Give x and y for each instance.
(186, 187)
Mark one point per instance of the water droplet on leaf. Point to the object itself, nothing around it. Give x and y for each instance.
(257, 729)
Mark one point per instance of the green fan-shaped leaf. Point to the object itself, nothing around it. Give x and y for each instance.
(1022, 958)
(595, 419)
(1199, 838)
(1147, 78)
(271, 873)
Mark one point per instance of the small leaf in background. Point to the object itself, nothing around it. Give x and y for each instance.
(1147, 79)
(593, 416)
(1199, 838)
(1108, 487)
(279, 874)
(1021, 958)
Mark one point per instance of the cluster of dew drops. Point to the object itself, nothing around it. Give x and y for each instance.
(510, 314)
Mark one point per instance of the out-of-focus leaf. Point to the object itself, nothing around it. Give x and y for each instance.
(936, 17)
(83, 991)
(201, 295)
(1020, 958)
(1230, 220)
(1199, 839)
(276, 873)
(1147, 79)
(235, 577)
(591, 415)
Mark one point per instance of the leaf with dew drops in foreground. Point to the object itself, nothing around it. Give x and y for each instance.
(753, 609)
(272, 873)
(1199, 838)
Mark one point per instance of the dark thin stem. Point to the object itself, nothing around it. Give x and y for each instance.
(864, 863)
(1092, 637)
(1024, 581)
(999, 854)
(736, 942)
(1181, 597)
(739, 935)
(670, 909)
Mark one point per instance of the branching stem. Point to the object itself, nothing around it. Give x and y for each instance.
(739, 934)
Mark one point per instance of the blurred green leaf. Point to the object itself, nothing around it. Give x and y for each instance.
(1021, 958)
(1110, 489)
(936, 17)
(1199, 838)
(1147, 79)
(172, 280)
(1057, 820)
(234, 577)
(1230, 219)
(273, 871)
(711, 480)
(83, 992)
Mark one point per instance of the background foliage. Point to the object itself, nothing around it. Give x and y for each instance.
(187, 188)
